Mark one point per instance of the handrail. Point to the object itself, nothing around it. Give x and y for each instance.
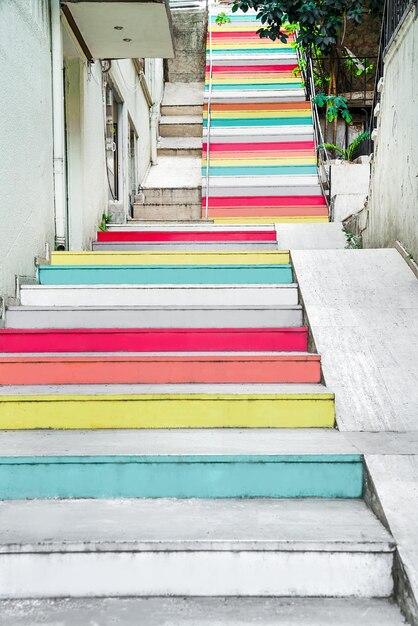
(321, 153)
(209, 112)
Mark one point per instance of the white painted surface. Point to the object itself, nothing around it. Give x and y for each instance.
(348, 178)
(310, 236)
(393, 206)
(145, 24)
(26, 183)
(201, 611)
(395, 479)
(154, 317)
(319, 392)
(175, 172)
(193, 547)
(266, 441)
(196, 573)
(177, 295)
(362, 306)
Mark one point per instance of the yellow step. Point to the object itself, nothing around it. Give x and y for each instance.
(171, 410)
(273, 257)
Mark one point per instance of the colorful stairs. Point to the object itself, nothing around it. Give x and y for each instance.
(262, 165)
(172, 456)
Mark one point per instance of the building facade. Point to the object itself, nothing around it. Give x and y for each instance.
(78, 126)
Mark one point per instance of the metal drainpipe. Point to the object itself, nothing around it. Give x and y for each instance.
(154, 132)
(59, 166)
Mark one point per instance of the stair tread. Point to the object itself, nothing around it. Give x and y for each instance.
(169, 524)
(168, 307)
(181, 119)
(131, 356)
(191, 611)
(180, 142)
(305, 390)
(183, 94)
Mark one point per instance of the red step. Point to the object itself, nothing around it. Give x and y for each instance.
(203, 235)
(154, 340)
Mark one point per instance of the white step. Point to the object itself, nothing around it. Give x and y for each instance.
(160, 295)
(223, 611)
(202, 225)
(154, 317)
(225, 186)
(252, 59)
(253, 95)
(236, 134)
(256, 547)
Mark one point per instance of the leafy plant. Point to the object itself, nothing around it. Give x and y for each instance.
(334, 105)
(354, 242)
(222, 18)
(103, 224)
(348, 153)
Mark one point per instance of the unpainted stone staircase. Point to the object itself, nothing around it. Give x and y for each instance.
(172, 189)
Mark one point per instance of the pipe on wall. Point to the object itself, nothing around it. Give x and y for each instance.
(58, 116)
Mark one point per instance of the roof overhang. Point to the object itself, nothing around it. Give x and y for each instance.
(121, 29)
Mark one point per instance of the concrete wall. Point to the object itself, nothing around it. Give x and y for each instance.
(26, 181)
(393, 198)
(190, 27)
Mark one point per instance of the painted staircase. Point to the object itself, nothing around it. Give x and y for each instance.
(168, 438)
(163, 435)
(172, 188)
(262, 165)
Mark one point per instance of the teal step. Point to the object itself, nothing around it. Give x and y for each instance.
(165, 274)
(259, 121)
(181, 476)
(261, 170)
(254, 87)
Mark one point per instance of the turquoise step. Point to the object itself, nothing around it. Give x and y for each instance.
(174, 476)
(259, 121)
(165, 274)
(261, 170)
(254, 87)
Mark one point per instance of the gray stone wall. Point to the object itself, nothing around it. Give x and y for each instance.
(189, 27)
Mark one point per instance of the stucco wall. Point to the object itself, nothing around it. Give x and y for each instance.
(393, 199)
(26, 181)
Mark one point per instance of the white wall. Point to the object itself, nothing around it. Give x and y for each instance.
(393, 199)
(26, 157)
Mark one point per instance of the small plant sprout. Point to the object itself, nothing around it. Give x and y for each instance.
(222, 18)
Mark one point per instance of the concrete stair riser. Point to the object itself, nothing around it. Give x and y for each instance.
(169, 196)
(158, 295)
(165, 212)
(154, 340)
(168, 407)
(164, 317)
(173, 246)
(216, 368)
(181, 126)
(164, 274)
(220, 257)
(187, 236)
(233, 476)
(168, 110)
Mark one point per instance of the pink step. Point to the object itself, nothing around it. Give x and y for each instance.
(201, 235)
(208, 368)
(155, 340)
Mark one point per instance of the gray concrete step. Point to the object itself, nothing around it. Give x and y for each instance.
(181, 125)
(180, 212)
(154, 317)
(180, 146)
(256, 547)
(222, 611)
